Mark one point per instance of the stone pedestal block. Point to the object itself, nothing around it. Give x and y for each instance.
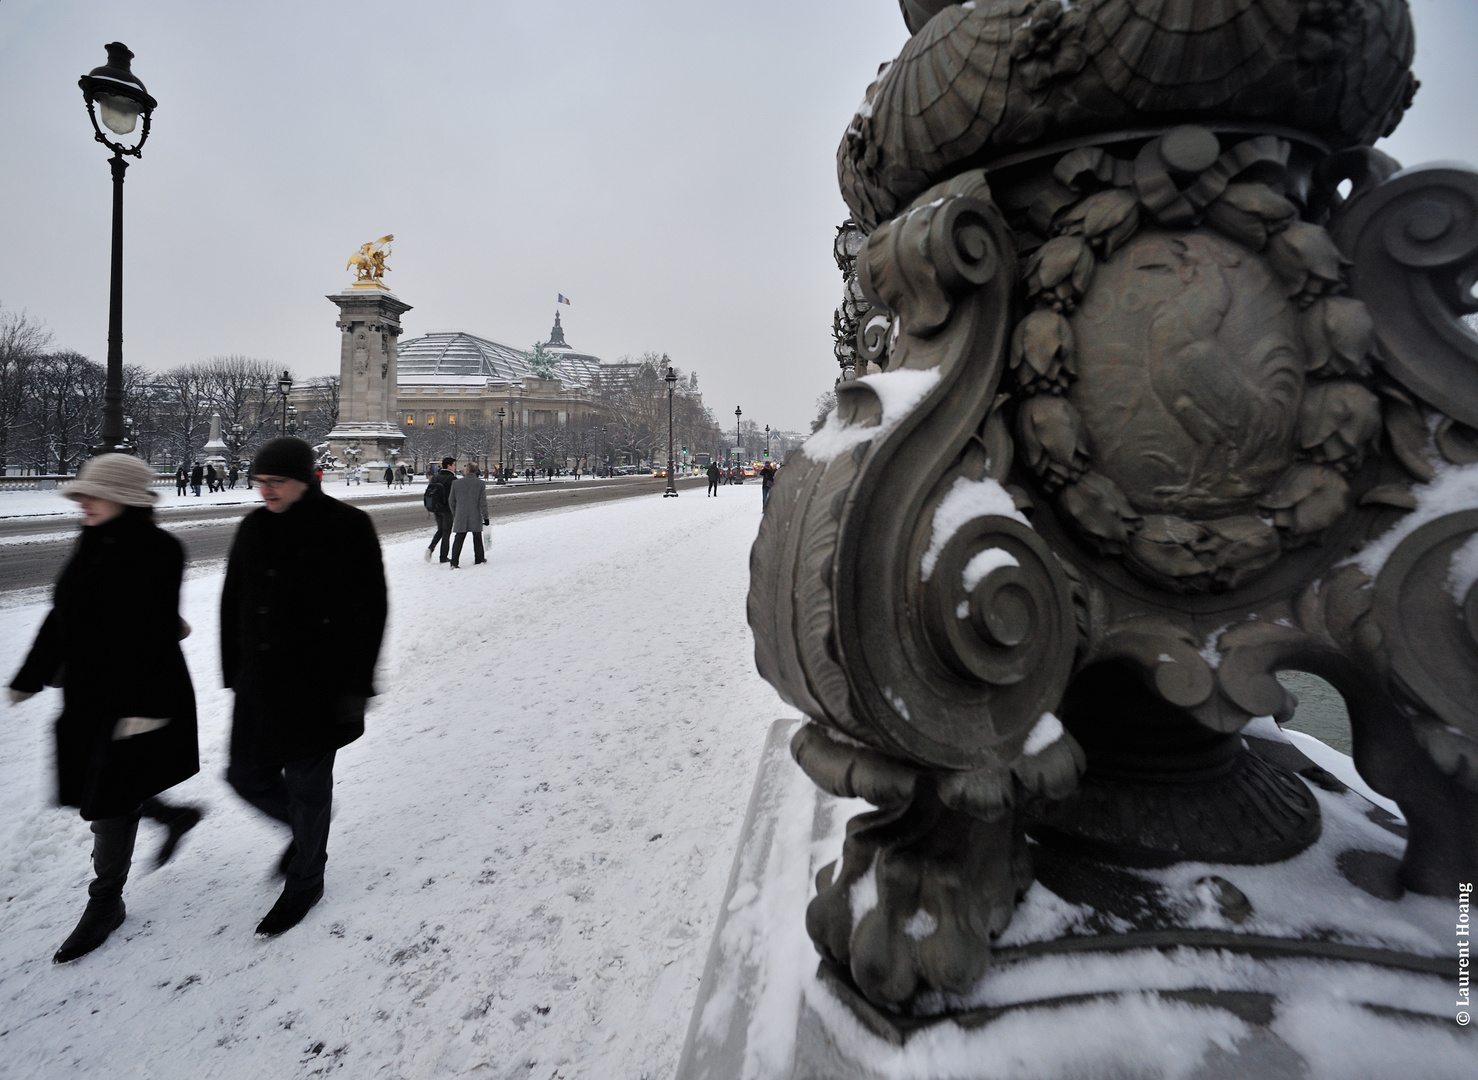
(369, 318)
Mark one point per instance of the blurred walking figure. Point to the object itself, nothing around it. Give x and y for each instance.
(767, 482)
(197, 477)
(112, 643)
(278, 611)
(232, 476)
(210, 479)
(468, 500)
(714, 472)
(436, 500)
(181, 479)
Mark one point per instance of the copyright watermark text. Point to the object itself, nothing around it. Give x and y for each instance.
(1464, 960)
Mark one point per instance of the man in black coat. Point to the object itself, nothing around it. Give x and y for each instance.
(713, 474)
(282, 607)
(440, 491)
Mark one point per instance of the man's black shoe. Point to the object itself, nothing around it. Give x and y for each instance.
(100, 919)
(289, 910)
(178, 826)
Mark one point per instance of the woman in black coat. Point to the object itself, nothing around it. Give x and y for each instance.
(112, 643)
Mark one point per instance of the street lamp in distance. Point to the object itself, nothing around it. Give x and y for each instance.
(671, 492)
(738, 446)
(113, 91)
(767, 442)
(501, 478)
(284, 387)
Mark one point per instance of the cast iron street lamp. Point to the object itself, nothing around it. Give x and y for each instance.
(115, 92)
(284, 387)
(767, 442)
(671, 492)
(738, 446)
(292, 421)
(501, 479)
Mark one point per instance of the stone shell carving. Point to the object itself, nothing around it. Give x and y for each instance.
(980, 81)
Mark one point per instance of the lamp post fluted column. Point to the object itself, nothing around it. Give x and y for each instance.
(671, 492)
(738, 446)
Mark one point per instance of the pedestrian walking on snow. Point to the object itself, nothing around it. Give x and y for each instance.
(767, 482)
(278, 610)
(210, 479)
(181, 479)
(389, 475)
(437, 500)
(197, 477)
(127, 728)
(468, 499)
(714, 472)
(232, 477)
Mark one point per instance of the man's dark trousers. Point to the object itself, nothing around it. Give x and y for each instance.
(443, 532)
(713, 485)
(477, 555)
(300, 795)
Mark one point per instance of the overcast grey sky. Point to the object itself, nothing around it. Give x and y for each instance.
(668, 165)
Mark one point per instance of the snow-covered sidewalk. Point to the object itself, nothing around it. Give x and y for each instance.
(530, 845)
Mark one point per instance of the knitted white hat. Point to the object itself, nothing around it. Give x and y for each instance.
(120, 478)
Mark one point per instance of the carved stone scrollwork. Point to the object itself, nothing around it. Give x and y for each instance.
(1414, 244)
(891, 517)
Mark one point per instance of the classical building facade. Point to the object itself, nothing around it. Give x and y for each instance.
(452, 384)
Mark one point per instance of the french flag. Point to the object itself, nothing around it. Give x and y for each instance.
(563, 299)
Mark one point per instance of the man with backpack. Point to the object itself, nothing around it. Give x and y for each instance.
(437, 501)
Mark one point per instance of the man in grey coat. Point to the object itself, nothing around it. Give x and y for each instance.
(468, 500)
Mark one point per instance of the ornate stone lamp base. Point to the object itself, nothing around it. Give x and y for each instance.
(1316, 965)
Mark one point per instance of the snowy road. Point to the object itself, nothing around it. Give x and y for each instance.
(530, 843)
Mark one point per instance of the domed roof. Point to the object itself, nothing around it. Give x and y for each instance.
(456, 353)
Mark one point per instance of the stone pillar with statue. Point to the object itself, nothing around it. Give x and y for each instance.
(369, 319)
(1174, 393)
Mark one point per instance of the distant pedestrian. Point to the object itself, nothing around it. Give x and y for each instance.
(127, 728)
(197, 477)
(400, 475)
(181, 479)
(232, 476)
(210, 478)
(468, 500)
(358, 474)
(767, 481)
(389, 475)
(278, 609)
(714, 472)
(436, 500)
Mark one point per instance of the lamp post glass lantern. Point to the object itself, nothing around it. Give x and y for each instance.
(113, 92)
(671, 492)
(738, 446)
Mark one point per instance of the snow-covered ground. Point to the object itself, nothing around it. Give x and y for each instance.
(531, 841)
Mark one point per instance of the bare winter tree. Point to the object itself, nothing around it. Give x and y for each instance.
(69, 408)
(241, 389)
(185, 422)
(322, 412)
(23, 340)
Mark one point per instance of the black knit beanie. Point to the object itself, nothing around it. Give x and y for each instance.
(289, 457)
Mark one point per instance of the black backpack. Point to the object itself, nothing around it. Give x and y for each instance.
(434, 497)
